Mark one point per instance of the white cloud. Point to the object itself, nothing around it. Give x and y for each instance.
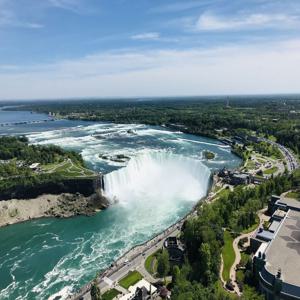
(181, 6)
(146, 36)
(272, 68)
(75, 6)
(9, 19)
(211, 22)
(65, 4)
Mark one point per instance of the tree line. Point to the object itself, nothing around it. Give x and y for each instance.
(18, 148)
(203, 236)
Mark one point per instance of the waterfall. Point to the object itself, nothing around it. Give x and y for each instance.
(156, 177)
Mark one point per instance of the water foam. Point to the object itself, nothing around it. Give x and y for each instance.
(158, 176)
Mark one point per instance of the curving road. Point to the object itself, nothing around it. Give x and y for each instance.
(132, 260)
(290, 158)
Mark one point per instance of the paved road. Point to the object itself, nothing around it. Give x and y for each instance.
(291, 160)
(133, 260)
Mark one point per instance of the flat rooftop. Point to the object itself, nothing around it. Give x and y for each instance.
(290, 202)
(265, 235)
(279, 213)
(284, 251)
(274, 226)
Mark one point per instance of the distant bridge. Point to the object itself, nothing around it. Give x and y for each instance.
(25, 122)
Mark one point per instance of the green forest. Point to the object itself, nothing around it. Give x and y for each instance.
(234, 211)
(270, 116)
(18, 148)
(18, 179)
(203, 236)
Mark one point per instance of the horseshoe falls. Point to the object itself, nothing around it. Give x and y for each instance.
(154, 176)
(161, 175)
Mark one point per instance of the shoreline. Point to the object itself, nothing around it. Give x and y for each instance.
(118, 262)
(64, 205)
(129, 254)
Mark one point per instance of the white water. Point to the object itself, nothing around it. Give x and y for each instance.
(158, 176)
(165, 176)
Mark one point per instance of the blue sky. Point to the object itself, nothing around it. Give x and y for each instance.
(108, 48)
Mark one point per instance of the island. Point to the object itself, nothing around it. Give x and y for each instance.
(208, 154)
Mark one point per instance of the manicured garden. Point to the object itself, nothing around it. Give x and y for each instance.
(130, 279)
(110, 294)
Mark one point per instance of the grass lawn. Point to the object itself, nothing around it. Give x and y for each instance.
(294, 194)
(250, 164)
(271, 171)
(151, 263)
(49, 166)
(130, 279)
(227, 254)
(262, 161)
(69, 170)
(110, 294)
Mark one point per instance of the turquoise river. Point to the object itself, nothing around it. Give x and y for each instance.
(162, 179)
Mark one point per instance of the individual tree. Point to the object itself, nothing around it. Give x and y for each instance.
(205, 263)
(175, 273)
(163, 264)
(95, 291)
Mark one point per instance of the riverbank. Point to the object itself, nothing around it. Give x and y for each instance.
(134, 259)
(86, 245)
(59, 206)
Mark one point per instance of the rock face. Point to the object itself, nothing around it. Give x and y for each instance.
(69, 205)
(59, 206)
(85, 198)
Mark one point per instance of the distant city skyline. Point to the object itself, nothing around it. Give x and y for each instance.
(142, 48)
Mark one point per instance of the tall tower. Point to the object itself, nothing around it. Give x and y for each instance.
(227, 103)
